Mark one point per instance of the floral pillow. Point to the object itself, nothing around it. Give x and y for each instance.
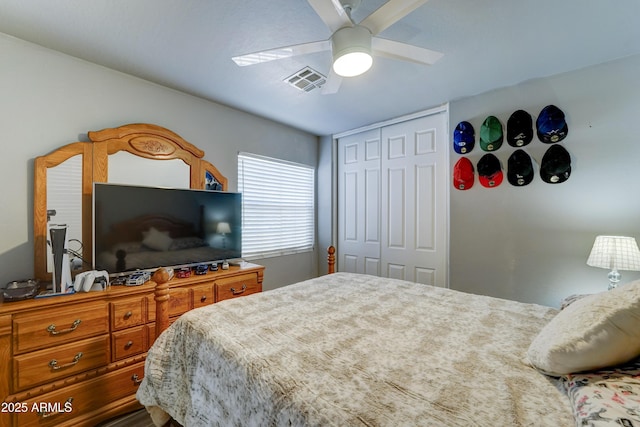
(606, 398)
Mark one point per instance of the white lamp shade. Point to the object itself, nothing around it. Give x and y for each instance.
(223, 228)
(351, 48)
(615, 253)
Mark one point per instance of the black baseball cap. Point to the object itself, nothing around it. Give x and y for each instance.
(556, 165)
(519, 129)
(519, 168)
(489, 171)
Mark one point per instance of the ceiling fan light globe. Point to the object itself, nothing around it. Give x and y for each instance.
(352, 64)
(351, 48)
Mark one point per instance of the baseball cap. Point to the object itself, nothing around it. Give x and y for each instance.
(489, 171)
(519, 168)
(556, 165)
(491, 134)
(464, 138)
(519, 129)
(463, 174)
(551, 125)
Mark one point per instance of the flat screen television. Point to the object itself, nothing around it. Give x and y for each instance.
(143, 228)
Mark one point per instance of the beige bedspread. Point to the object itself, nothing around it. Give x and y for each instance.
(354, 350)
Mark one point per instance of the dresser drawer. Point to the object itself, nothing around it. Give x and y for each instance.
(127, 313)
(233, 287)
(179, 303)
(129, 342)
(58, 362)
(202, 295)
(47, 328)
(82, 398)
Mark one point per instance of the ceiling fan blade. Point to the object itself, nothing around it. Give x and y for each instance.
(390, 13)
(333, 83)
(281, 53)
(332, 13)
(405, 52)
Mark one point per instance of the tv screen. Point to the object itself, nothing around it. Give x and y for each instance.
(143, 228)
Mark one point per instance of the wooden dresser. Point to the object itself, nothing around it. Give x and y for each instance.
(77, 359)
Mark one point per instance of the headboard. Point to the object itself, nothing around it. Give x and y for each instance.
(142, 140)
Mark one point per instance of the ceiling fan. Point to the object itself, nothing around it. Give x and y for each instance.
(352, 45)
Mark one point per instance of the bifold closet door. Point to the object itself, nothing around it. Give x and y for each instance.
(414, 200)
(392, 201)
(359, 182)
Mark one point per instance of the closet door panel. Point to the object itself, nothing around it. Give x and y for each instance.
(359, 203)
(414, 200)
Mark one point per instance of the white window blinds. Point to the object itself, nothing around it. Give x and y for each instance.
(277, 206)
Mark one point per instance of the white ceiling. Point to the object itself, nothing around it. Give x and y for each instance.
(188, 45)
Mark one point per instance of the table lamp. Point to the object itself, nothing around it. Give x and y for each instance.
(615, 253)
(224, 229)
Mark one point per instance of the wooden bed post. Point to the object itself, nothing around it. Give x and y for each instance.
(331, 259)
(161, 295)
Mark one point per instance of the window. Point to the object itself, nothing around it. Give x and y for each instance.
(277, 206)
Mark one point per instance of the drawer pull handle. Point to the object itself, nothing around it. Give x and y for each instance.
(128, 314)
(234, 291)
(54, 363)
(52, 328)
(203, 298)
(136, 380)
(68, 403)
(128, 345)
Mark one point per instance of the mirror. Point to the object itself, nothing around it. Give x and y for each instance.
(125, 168)
(64, 203)
(129, 154)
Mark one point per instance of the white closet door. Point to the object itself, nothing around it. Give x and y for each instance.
(359, 159)
(392, 201)
(414, 200)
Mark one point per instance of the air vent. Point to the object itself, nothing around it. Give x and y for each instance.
(306, 80)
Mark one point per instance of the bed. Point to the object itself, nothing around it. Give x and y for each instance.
(348, 349)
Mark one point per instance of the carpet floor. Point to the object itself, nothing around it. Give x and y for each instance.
(138, 418)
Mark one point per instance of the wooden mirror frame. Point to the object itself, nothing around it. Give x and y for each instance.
(140, 139)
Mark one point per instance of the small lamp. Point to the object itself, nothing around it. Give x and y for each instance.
(615, 253)
(223, 228)
(351, 49)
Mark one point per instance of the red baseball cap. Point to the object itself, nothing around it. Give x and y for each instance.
(463, 174)
(489, 171)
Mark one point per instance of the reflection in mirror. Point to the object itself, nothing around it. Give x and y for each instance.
(126, 168)
(64, 197)
(211, 183)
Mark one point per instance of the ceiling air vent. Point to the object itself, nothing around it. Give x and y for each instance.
(306, 80)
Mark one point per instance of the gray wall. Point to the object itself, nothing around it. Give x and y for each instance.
(531, 243)
(49, 99)
(326, 199)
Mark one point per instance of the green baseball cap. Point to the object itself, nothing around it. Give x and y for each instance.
(491, 134)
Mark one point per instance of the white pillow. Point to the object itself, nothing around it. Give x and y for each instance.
(157, 240)
(594, 332)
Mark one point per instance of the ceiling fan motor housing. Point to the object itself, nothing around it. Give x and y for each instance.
(351, 49)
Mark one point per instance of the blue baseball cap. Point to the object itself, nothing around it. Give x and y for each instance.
(551, 125)
(464, 138)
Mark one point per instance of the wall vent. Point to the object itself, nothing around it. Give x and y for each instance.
(306, 80)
